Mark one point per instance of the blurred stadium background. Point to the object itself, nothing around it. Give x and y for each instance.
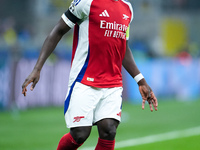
(164, 38)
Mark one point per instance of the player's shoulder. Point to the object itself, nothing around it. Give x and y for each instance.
(126, 2)
(79, 4)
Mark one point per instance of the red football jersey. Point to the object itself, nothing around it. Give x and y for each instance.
(99, 40)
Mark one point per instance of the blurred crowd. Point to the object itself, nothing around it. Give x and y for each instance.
(167, 28)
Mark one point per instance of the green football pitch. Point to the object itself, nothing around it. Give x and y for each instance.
(175, 126)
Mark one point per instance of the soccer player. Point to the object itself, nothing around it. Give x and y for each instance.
(100, 48)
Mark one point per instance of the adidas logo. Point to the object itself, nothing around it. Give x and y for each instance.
(104, 14)
(125, 17)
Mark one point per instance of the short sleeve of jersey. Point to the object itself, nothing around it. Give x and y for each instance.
(131, 9)
(77, 11)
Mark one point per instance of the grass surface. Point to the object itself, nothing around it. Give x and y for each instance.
(42, 128)
(189, 143)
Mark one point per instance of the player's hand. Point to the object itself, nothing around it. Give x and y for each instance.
(148, 95)
(34, 78)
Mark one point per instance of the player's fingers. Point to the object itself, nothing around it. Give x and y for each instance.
(154, 105)
(155, 101)
(33, 85)
(25, 84)
(150, 105)
(143, 103)
(24, 91)
(24, 88)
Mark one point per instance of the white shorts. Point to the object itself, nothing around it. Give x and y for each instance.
(86, 105)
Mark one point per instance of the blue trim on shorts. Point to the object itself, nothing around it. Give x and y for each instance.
(78, 79)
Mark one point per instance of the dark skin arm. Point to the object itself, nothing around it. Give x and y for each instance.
(145, 91)
(48, 47)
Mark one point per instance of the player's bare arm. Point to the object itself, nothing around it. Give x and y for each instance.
(48, 47)
(145, 91)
